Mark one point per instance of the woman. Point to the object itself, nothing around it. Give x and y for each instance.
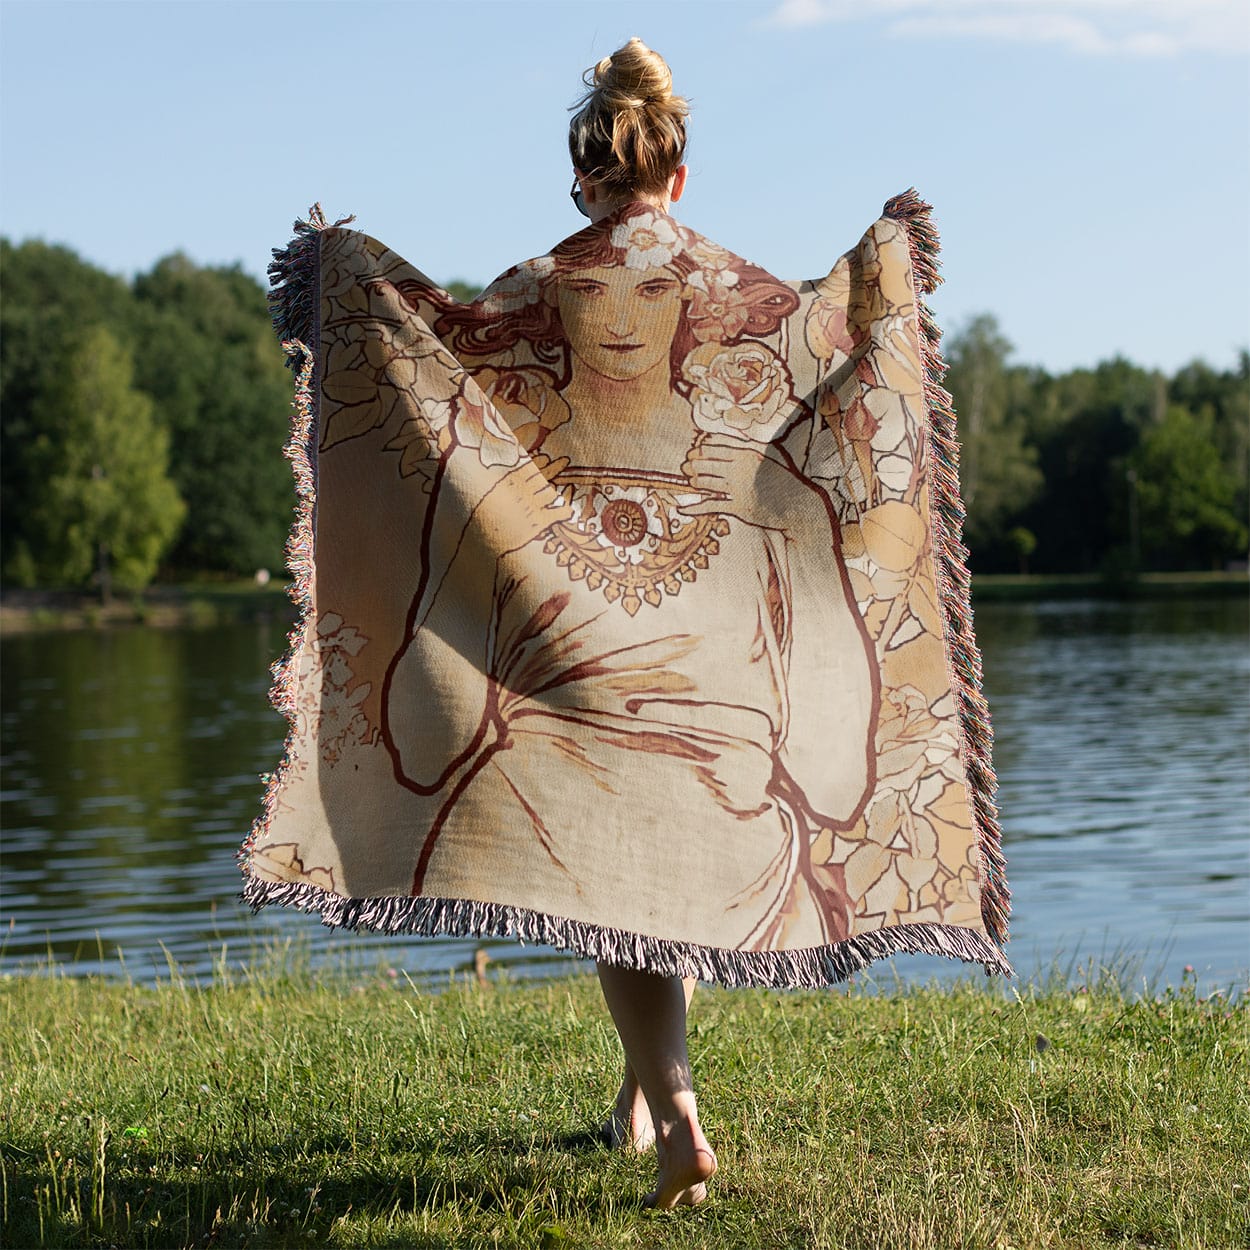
(656, 509)
(635, 620)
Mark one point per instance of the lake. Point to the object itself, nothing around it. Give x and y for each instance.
(131, 760)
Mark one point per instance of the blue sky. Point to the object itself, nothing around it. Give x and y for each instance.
(1088, 160)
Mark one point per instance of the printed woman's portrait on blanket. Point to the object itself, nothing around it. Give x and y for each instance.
(662, 600)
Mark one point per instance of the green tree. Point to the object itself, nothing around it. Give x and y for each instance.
(208, 357)
(464, 291)
(105, 505)
(1186, 495)
(1221, 397)
(1085, 424)
(51, 297)
(997, 467)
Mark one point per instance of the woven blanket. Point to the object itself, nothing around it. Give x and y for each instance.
(635, 618)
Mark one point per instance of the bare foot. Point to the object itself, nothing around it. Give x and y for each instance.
(629, 1126)
(686, 1165)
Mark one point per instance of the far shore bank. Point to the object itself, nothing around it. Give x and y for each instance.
(205, 604)
(174, 605)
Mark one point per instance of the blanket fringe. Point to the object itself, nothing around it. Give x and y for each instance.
(810, 968)
(295, 278)
(954, 582)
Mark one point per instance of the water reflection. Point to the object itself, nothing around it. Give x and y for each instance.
(131, 758)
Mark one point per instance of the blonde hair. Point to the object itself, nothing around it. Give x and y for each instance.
(629, 132)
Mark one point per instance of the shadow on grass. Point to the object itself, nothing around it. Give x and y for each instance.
(267, 1197)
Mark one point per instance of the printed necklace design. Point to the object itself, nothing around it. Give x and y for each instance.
(627, 536)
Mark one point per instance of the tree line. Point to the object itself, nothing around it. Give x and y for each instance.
(1115, 469)
(143, 423)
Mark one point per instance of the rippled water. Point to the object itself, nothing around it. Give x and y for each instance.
(130, 762)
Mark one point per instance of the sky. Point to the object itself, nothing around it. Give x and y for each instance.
(1088, 160)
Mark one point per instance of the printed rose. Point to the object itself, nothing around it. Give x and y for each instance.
(905, 732)
(828, 337)
(525, 399)
(346, 258)
(858, 422)
(744, 390)
(476, 424)
(712, 262)
(649, 241)
(421, 439)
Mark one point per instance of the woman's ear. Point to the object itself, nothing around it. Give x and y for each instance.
(678, 183)
(588, 186)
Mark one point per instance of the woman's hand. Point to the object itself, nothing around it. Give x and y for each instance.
(755, 487)
(521, 505)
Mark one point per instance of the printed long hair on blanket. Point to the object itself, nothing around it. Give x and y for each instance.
(693, 507)
(522, 306)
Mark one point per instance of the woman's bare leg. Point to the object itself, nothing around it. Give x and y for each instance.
(650, 1015)
(629, 1125)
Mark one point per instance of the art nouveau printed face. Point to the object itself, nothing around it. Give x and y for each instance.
(620, 322)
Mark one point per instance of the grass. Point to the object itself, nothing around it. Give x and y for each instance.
(291, 1109)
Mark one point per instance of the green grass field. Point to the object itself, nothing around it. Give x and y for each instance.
(286, 1109)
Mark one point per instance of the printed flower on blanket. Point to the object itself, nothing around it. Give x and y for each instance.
(648, 240)
(719, 310)
(826, 325)
(744, 390)
(421, 438)
(525, 399)
(378, 360)
(518, 287)
(328, 709)
(477, 424)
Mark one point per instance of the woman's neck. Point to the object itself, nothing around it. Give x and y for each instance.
(641, 423)
(627, 403)
(605, 208)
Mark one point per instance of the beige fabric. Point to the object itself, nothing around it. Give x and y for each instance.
(624, 607)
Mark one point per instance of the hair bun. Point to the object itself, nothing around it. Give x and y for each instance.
(629, 132)
(634, 76)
